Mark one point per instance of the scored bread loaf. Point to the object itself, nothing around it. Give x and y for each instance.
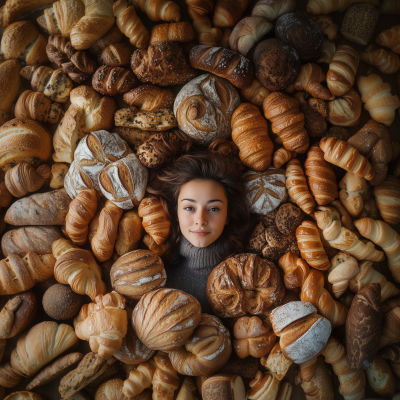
(49, 208)
(225, 63)
(164, 319)
(110, 81)
(137, 273)
(115, 55)
(303, 333)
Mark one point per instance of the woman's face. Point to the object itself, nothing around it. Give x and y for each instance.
(202, 211)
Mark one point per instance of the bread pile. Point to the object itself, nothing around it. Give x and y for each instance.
(95, 98)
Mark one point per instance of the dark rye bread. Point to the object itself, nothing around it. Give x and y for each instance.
(288, 218)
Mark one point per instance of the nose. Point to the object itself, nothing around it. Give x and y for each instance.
(201, 218)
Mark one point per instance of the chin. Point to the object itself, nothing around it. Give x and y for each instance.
(201, 242)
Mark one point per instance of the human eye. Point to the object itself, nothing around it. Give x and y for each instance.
(214, 209)
(188, 208)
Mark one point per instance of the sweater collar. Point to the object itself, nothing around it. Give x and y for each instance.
(200, 258)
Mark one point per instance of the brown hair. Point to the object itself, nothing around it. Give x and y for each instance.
(205, 165)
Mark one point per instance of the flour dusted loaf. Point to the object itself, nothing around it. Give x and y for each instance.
(303, 333)
(247, 283)
(265, 190)
(94, 152)
(223, 387)
(204, 107)
(137, 273)
(164, 319)
(124, 182)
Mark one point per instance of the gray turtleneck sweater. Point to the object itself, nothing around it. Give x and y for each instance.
(191, 274)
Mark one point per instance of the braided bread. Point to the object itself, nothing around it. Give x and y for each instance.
(296, 270)
(165, 378)
(139, 379)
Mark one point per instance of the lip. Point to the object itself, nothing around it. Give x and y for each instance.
(200, 233)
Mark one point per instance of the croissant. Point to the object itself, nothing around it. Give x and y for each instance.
(103, 323)
(345, 110)
(343, 268)
(282, 156)
(139, 379)
(378, 100)
(310, 246)
(340, 153)
(160, 250)
(328, 220)
(320, 176)
(296, 270)
(342, 70)
(97, 21)
(273, 9)
(129, 233)
(247, 32)
(36, 105)
(313, 291)
(155, 222)
(18, 274)
(386, 61)
(130, 24)
(296, 185)
(54, 84)
(328, 51)
(309, 79)
(353, 192)
(227, 13)
(250, 134)
(165, 379)
(385, 236)
(390, 38)
(206, 35)
(62, 17)
(149, 98)
(387, 199)
(159, 10)
(176, 32)
(115, 55)
(390, 328)
(104, 240)
(111, 81)
(263, 386)
(287, 121)
(23, 178)
(328, 6)
(81, 210)
(255, 93)
(77, 268)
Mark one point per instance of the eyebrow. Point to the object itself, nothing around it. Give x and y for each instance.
(209, 201)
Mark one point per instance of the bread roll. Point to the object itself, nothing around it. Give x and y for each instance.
(149, 98)
(255, 93)
(223, 387)
(110, 81)
(164, 319)
(176, 32)
(10, 80)
(236, 277)
(129, 233)
(296, 270)
(115, 55)
(137, 273)
(267, 385)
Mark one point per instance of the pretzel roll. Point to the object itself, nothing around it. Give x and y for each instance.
(23, 140)
(206, 351)
(244, 284)
(164, 319)
(137, 273)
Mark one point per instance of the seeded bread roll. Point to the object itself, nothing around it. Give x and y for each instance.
(288, 218)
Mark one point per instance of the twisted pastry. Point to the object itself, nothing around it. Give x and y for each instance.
(296, 270)
(78, 268)
(165, 379)
(54, 84)
(24, 178)
(36, 105)
(255, 93)
(282, 156)
(77, 64)
(342, 70)
(81, 210)
(250, 134)
(309, 80)
(111, 81)
(296, 185)
(18, 274)
(343, 268)
(198, 10)
(339, 153)
(263, 386)
(313, 291)
(328, 220)
(310, 246)
(385, 236)
(386, 61)
(159, 10)
(320, 176)
(139, 379)
(149, 98)
(287, 121)
(130, 24)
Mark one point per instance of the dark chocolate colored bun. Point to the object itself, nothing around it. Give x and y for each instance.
(288, 218)
(301, 33)
(61, 302)
(277, 64)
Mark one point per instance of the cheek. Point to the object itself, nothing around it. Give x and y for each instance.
(183, 218)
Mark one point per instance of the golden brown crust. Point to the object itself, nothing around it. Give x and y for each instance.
(129, 233)
(149, 98)
(9, 87)
(111, 81)
(175, 32)
(227, 13)
(115, 55)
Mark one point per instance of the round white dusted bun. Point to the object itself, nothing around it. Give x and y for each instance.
(204, 107)
(300, 341)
